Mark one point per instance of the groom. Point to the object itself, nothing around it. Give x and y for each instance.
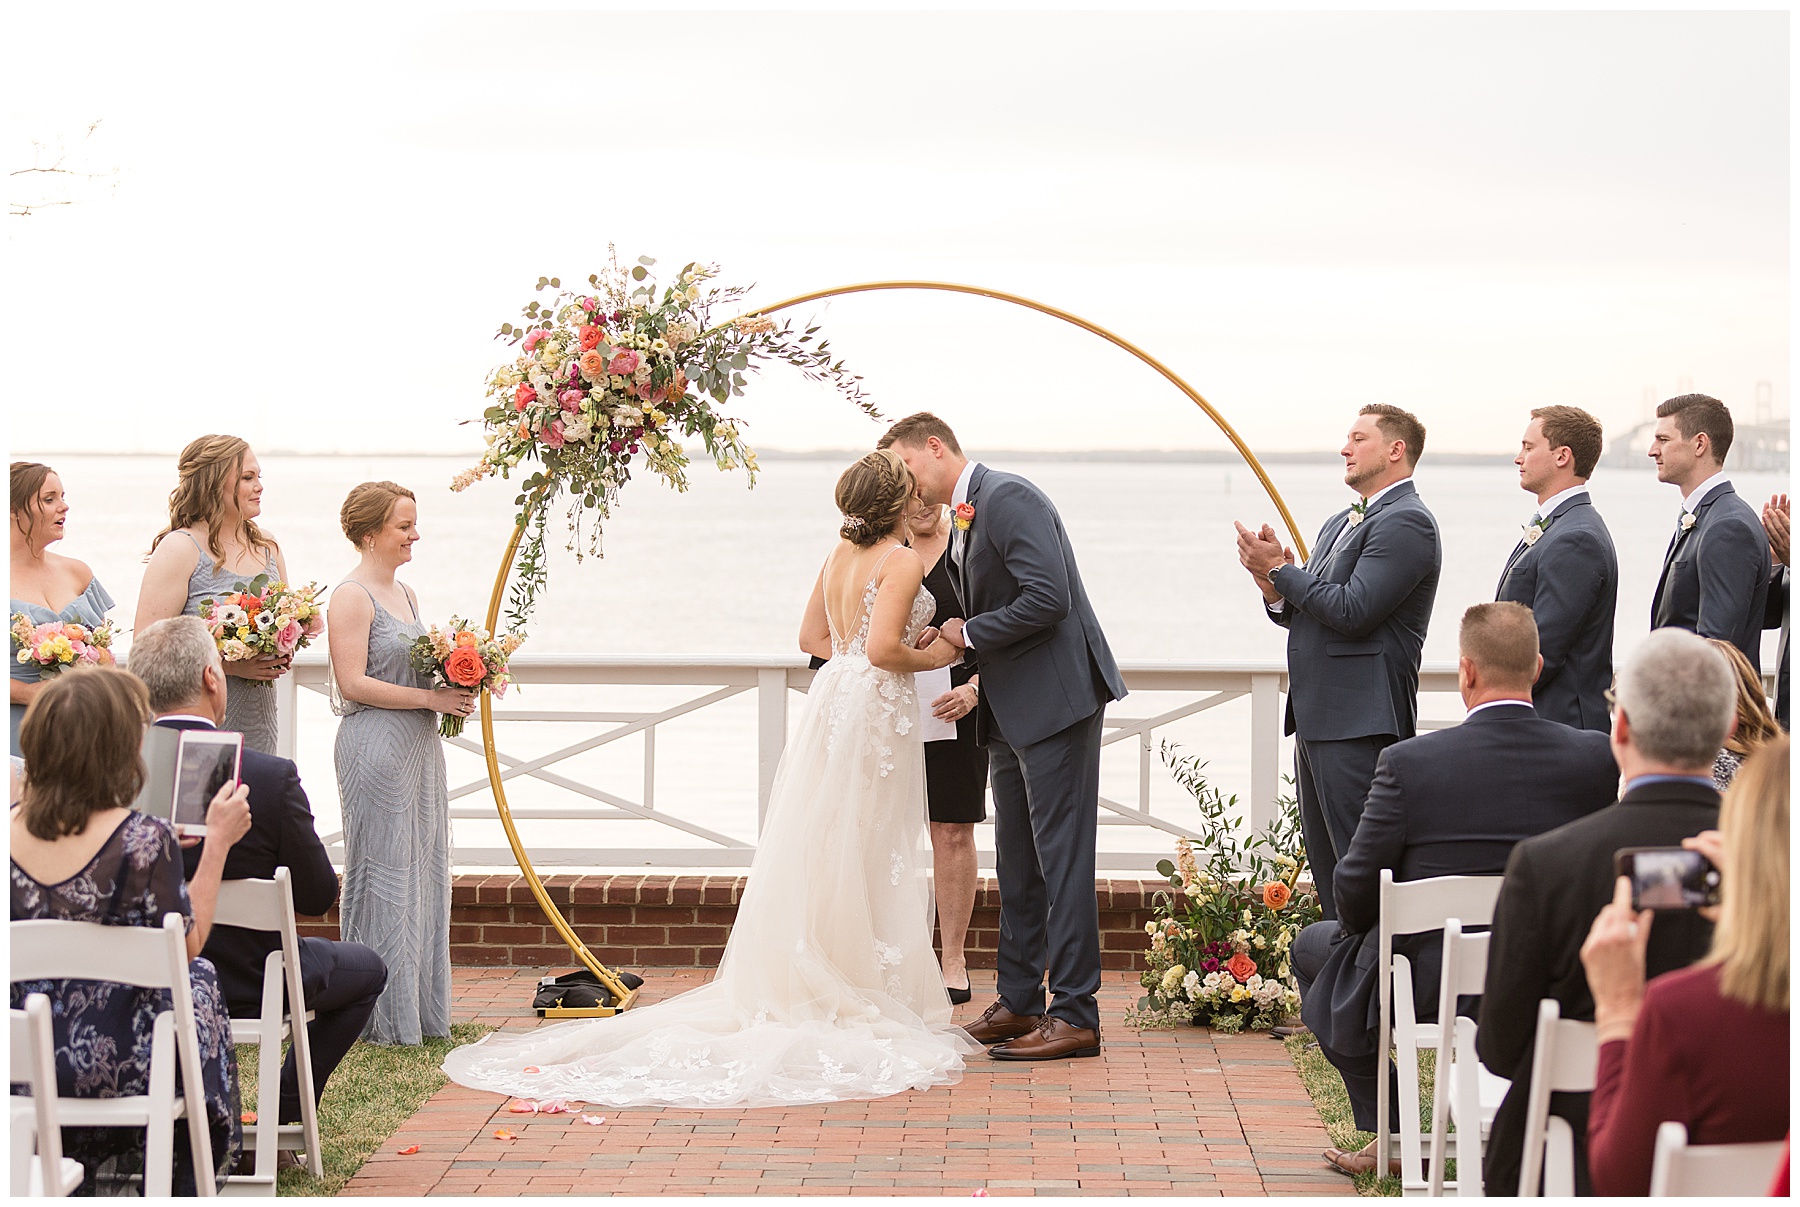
(1046, 676)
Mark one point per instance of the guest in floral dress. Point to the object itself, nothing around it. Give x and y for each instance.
(213, 511)
(80, 853)
(47, 587)
(1756, 726)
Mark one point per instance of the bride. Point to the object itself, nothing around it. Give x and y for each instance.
(828, 988)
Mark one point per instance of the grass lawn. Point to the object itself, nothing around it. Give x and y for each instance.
(367, 1099)
(1327, 1090)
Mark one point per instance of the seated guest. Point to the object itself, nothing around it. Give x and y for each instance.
(1755, 723)
(1705, 1046)
(177, 660)
(1448, 803)
(1676, 700)
(80, 853)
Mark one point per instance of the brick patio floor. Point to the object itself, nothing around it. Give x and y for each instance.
(1158, 1113)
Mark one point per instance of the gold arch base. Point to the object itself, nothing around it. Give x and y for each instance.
(623, 996)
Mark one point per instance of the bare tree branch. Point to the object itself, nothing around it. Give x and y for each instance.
(70, 176)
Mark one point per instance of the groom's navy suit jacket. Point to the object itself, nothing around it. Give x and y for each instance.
(1569, 578)
(1044, 662)
(1715, 579)
(1356, 619)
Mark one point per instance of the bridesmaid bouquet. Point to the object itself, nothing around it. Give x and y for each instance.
(56, 646)
(460, 655)
(264, 619)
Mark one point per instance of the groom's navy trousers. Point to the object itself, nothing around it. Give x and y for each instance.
(1046, 809)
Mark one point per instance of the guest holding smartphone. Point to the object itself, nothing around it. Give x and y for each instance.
(47, 587)
(1705, 1046)
(390, 771)
(213, 508)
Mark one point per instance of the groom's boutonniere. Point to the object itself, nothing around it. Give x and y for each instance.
(963, 516)
(1687, 521)
(1358, 510)
(1534, 530)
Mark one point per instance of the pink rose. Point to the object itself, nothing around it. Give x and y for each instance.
(89, 653)
(289, 638)
(315, 624)
(534, 338)
(523, 396)
(498, 691)
(588, 304)
(571, 400)
(553, 435)
(625, 364)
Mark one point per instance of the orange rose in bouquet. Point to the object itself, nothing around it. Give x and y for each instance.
(466, 657)
(1241, 966)
(1276, 894)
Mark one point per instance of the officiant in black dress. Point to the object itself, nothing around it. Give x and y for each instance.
(956, 767)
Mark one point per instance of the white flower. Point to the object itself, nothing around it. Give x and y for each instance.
(1356, 517)
(659, 346)
(1191, 984)
(230, 614)
(1687, 521)
(578, 429)
(1531, 534)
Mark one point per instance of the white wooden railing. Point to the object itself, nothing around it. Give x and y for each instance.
(1164, 695)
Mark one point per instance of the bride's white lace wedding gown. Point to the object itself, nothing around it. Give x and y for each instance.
(828, 988)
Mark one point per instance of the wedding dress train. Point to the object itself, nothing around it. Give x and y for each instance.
(828, 989)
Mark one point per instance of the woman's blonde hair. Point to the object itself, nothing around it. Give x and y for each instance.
(873, 494)
(208, 470)
(1750, 944)
(1755, 722)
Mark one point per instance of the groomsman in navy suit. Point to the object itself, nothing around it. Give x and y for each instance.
(1564, 568)
(1715, 578)
(1356, 615)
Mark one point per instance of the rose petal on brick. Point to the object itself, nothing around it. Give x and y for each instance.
(521, 1107)
(501, 1133)
(981, 1192)
(409, 1150)
(593, 1120)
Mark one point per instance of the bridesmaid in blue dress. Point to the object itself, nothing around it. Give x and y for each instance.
(390, 771)
(212, 542)
(46, 586)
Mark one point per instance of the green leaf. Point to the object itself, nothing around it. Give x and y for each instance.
(638, 274)
(647, 262)
(555, 283)
(1165, 868)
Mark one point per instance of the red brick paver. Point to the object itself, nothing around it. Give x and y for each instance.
(1158, 1113)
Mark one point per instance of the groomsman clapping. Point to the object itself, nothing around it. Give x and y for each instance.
(1356, 615)
(1715, 577)
(1564, 568)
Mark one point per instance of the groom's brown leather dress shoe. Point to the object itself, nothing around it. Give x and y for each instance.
(997, 1023)
(1051, 1039)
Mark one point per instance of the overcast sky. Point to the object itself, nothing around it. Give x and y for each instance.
(320, 218)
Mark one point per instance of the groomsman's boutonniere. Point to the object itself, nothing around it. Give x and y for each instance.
(1534, 530)
(1358, 510)
(1687, 521)
(963, 516)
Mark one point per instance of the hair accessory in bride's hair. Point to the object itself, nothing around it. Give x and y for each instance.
(854, 521)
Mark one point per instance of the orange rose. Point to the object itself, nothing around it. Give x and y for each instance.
(594, 365)
(1276, 894)
(465, 637)
(1241, 966)
(590, 338)
(464, 667)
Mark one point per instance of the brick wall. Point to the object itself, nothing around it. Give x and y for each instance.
(636, 920)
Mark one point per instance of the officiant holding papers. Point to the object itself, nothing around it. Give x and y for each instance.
(956, 763)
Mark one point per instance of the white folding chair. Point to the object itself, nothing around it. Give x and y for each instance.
(1564, 1061)
(1408, 908)
(1737, 1171)
(52, 950)
(1467, 1094)
(39, 1170)
(269, 905)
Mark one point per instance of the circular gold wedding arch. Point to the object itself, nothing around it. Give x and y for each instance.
(623, 995)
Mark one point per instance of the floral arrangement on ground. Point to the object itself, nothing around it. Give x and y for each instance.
(1220, 942)
(623, 370)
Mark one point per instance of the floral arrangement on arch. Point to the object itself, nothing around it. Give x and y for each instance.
(57, 646)
(1220, 942)
(615, 377)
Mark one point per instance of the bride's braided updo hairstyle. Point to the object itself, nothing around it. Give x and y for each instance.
(874, 495)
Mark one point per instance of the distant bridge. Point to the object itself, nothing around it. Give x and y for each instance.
(1754, 446)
